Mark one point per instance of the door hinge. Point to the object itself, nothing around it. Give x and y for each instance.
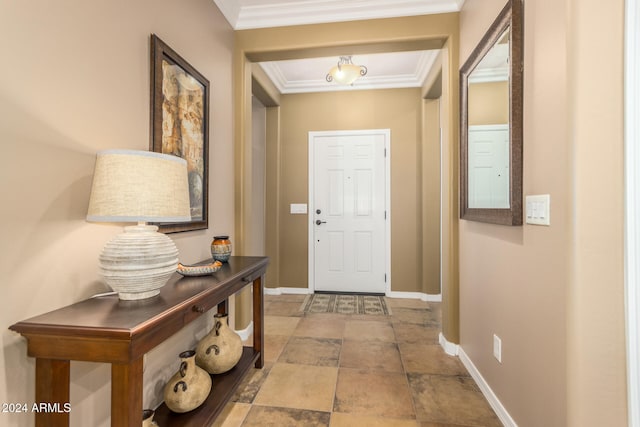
(385, 277)
(385, 214)
(385, 152)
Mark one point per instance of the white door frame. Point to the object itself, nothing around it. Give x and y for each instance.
(387, 172)
(632, 208)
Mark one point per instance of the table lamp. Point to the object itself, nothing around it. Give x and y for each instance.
(139, 186)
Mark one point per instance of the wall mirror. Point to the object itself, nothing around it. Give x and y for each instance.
(491, 123)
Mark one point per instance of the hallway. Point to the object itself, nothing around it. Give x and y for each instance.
(356, 370)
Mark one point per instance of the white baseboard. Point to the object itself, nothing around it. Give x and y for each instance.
(246, 332)
(497, 406)
(415, 295)
(281, 291)
(450, 348)
(390, 294)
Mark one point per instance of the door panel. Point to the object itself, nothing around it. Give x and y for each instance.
(336, 251)
(489, 166)
(363, 194)
(349, 190)
(363, 251)
(336, 197)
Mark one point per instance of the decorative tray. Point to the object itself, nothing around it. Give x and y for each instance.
(199, 270)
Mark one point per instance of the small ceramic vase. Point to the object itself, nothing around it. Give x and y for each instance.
(221, 349)
(189, 387)
(147, 418)
(221, 248)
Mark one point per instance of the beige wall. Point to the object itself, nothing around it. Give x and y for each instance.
(488, 103)
(75, 80)
(272, 196)
(554, 294)
(449, 123)
(398, 110)
(597, 384)
(256, 243)
(431, 177)
(429, 172)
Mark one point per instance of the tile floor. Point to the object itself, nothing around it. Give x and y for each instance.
(356, 370)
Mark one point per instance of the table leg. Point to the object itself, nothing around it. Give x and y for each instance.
(258, 319)
(52, 387)
(223, 307)
(126, 394)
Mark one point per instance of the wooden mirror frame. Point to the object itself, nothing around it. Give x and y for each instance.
(510, 17)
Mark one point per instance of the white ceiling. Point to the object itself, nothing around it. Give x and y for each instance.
(385, 70)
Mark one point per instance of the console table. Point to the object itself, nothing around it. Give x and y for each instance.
(107, 330)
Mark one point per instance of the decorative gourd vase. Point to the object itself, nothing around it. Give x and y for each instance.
(221, 349)
(189, 387)
(147, 418)
(221, 248)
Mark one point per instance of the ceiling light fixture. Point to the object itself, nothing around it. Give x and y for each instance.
(346, 72)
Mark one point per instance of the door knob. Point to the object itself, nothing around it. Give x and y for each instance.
(318, 222)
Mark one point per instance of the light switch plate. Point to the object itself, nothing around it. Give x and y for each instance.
(497, 348)
(538, 209)
(298, 208)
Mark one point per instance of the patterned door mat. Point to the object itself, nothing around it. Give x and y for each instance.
(345, 304)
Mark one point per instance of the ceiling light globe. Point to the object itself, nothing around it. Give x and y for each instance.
(346, 72)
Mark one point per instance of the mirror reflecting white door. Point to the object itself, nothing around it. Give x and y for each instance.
(488, 129)
(491, 86)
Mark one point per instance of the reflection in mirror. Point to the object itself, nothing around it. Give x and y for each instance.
(488, 138)
(491, 123)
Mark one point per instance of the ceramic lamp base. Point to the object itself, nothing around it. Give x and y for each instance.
(138, 262)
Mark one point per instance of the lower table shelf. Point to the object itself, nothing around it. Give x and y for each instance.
(222, 389)
(108, 330)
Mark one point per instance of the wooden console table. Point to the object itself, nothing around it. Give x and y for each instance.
(107, 330)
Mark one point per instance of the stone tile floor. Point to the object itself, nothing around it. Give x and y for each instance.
(356, 370)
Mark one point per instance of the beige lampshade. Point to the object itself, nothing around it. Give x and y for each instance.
(139, 186)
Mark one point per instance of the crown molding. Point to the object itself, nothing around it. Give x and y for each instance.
(489, 75)
(275, 74)
(307, 86)
(414, 79)
(427, 59)
(230, 9)
(280, 13)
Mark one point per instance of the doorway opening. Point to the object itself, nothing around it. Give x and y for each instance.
(286, 273)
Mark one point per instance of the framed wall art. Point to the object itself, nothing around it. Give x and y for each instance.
(180, 125)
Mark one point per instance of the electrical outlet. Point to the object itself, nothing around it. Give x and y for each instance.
(497, 348)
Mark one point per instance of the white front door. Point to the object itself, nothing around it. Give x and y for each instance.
(348, 243)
